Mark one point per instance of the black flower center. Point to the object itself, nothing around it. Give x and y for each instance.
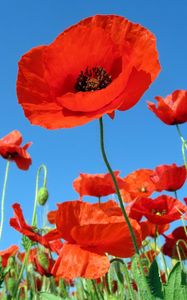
(10, 155)
(93, 79)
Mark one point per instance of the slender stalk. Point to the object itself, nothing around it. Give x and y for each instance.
(3, 198)
(184, 145)
(34, 223)
(116, 185)
(42, 167)
(175, 194)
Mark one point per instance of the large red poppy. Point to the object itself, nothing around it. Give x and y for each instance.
(169, 177)
(11, 149)
(172, 109)
(97, 185)
(162, 210)
(138, 184)
(90, 233)
(101, 64)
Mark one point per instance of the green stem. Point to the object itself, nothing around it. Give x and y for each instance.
(3, 198)
(97, 291)
(127, 277)
(21, 274)
(175, 193)
(34, 222)
(42, 167)
(184, 145)
(116, 185)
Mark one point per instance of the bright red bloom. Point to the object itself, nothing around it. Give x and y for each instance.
(101, 64)
(169, 177)
(172, 109)
(97, 185)
(178, 236)
(5, 254)
(162, 210)
(138, 184)
(90, 234)
(10, 149)
(18, 223)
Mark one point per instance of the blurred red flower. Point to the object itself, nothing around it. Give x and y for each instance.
(172, 109)
(138, 184)
(10, 149)
(169, 177)
(162, 210)
(97, 185)
(5, 254)
(152, 230)
(178, 236)
(90, 233)
(101, 64)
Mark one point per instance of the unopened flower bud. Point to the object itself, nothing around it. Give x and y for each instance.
(11, 285)
(11, 261)
(43, 259)
(42, 195)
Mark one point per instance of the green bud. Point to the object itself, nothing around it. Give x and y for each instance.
(11, 285)
(11, 261)
(43, 259)
(42, 196)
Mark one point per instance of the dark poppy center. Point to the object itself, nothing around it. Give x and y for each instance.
(10, 155)
(93, 79)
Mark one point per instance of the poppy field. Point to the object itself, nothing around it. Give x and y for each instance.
(117, 239)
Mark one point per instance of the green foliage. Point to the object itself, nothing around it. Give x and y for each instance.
(48, 296)
(154, 281)
(139, 276)
(176, 287)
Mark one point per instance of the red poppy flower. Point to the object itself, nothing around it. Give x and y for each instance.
(162, 210)
(178, 236)
(101, 64)
(152, 230)
(169, 177)
(18, 223)
(138, 184)
(172, 109)
(10, 149)
(97, 185)
(90, 233)
(5, 254)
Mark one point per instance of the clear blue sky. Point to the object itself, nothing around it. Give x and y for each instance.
(135, 139)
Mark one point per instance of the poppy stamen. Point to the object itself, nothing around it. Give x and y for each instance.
(159, 213)
(93, 79)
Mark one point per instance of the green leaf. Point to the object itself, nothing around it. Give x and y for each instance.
(174, 289)
(141, 281)
(48, 296)
(154, 281)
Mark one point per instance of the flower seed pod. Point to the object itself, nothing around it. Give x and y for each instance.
(42, 196)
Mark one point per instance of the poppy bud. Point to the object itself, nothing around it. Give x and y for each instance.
(42, 196)
(43, 260)
(11, 285)
(11, 261)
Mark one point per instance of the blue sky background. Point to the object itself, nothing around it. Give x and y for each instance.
(134, 139)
